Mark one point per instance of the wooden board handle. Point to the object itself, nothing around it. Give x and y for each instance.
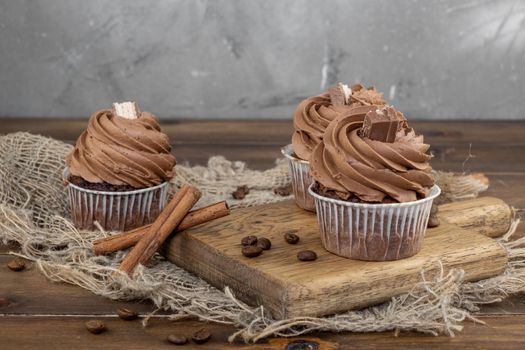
(486, 215)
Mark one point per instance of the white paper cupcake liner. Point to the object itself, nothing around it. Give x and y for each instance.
(301, 179)
(115, 211)
(373, 232)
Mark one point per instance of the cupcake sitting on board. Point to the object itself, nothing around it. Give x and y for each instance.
(373, 186)
(311, 118)
(119, 171)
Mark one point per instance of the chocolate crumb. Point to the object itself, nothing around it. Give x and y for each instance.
(240, 192)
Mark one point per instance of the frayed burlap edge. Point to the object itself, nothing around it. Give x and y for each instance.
(34, 213)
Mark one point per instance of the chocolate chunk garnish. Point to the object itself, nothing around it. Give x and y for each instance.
(251, 251)
(291, 238)
(339, 94)
(382, 124)
(307, 255)
(264, 243)
(283, 190)
(240, 192)
(249, 240)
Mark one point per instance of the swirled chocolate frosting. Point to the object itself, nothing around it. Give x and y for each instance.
(122, 151)
(354, 166)
(312, 115)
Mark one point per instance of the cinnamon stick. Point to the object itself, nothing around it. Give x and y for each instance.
(161, 228)
(129, 238)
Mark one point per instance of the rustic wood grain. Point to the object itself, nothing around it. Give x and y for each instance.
(25, 333)
(486, 215)
(240, 138)
(289, 287)
(28, 292)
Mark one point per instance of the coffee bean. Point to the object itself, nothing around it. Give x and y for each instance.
(240, 192)
(95, 326)
(177, 339)
(433, 220)
(201, 336)
(291, 238)
(4, 302)
(307, 255)
(264, 243)
(127, 314)
(251, 251)
(283, 191)
(16, 264)
(249, 240)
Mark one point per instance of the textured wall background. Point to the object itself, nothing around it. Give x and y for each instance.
(253, 59)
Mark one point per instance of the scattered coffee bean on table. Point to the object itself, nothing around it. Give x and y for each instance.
(177, 339)
(201, 336)
(16, 264)
(291, 238)
(283, 190)
(307, 255)
(240, 192)
(264, 243)
(251, 251)
(95, 326)
(4, 302)
(249, 240)
(433, 220)
(127, 314)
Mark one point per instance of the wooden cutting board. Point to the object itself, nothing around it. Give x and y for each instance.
(288, 287)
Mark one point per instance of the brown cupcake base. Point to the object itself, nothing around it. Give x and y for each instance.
(373, 232)
(115, 208)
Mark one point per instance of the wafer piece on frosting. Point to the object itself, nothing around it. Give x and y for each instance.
(382, 124)
(128, 110)
(340, 94)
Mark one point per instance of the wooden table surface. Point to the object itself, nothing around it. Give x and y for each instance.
(36, 313)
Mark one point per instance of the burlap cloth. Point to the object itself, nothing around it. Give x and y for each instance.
(34, 213)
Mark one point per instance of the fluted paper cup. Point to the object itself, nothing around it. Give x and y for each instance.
(373, 232)
(301, 179)
(115, 211)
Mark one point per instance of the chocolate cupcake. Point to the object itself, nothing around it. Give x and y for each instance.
(119, 171)
(311, 118)
(373, 186)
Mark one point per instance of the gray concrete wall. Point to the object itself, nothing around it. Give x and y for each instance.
(253, 59)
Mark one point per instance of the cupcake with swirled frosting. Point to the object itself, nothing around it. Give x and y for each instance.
(119, 170)
(373, 186)
(311, 117)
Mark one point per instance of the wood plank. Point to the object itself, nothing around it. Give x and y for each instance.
(28, 292)
(275, 131)
(452, 158)
(288, 287)
(21, 333)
